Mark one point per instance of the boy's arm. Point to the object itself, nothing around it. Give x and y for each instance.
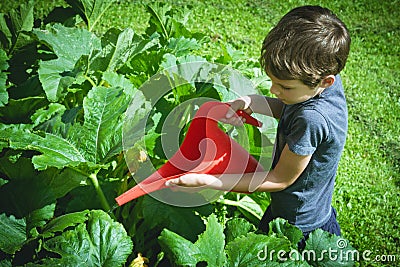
(266, 105)
(285, 173)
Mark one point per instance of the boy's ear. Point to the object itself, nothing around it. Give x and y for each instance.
(327, 81)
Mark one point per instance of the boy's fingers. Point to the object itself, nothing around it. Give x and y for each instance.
(234, 106)
(172, 182)
(242, 103)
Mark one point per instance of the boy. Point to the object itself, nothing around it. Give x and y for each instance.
(303, 55)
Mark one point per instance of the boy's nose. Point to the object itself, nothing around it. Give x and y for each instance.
(274, 90)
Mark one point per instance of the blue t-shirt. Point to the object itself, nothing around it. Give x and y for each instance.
(316, 127)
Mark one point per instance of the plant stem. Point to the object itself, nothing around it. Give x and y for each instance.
(90, 80)
(228, 202)
(100, 194)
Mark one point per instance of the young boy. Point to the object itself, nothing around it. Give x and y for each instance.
(303, 55)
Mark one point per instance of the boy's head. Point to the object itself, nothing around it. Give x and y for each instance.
(307, 44)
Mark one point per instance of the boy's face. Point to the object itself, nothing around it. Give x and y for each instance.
(292, 91)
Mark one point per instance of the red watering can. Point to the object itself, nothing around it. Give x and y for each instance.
(205, 149)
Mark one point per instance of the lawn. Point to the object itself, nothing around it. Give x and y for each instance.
(367, 194)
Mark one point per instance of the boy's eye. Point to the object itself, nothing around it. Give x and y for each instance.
(286, 88)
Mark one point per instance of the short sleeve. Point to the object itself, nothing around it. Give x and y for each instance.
(308, 130)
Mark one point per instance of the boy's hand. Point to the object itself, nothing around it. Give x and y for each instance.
(192, 182)
(242, 103)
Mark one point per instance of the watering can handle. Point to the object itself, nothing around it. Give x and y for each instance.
(249, 119)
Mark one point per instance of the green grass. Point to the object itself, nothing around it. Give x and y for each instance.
(367, 189)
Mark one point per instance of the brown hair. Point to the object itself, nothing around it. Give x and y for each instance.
(307, 44)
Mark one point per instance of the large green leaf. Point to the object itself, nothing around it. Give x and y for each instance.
(56, 151)
(326, 249)
(91, 10)
(255, 250)
(160, 20)
(21, 20)
(180, 250)
(6, 41)
(182, 46)
(3, 78)
(60, 223)
(38, 218)
(49, 119)
(15, 232)
(69, 45)
(104, 110)
(98, 242)
(247, 206)
(12, 233)
(20, 110)
(282, 228)
(237, 227)
(28, 190)
(208, 248)
(91, 144)
(119, 81)
(178, 219)
(118, 47)
(211, 243)
(169, 22)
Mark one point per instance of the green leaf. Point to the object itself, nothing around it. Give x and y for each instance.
(3, 78)
(91, 10)
(328, 250)
(12, 233)
(90, 143)
(29, 190)
(51, 75)
(180, 250)
(119, 81)
(230, 55)
(254, 250)
(238, 85)
(6, 43)
(168, 22)
(135, 120)
(178, 219)
(20, 110)
(247, 206)
(237, 227)
(182, 46)
(56, 151)
(38, 218)
(191, 68)
(118, 48)
(48, 117)
(282, 228)
(159, 20)
(290, 263)
(103, 112)
(98, 242)
(5, 263)
(60, 223)
(21, 20)
(69, 45)
(208, 248)
(211, 243)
